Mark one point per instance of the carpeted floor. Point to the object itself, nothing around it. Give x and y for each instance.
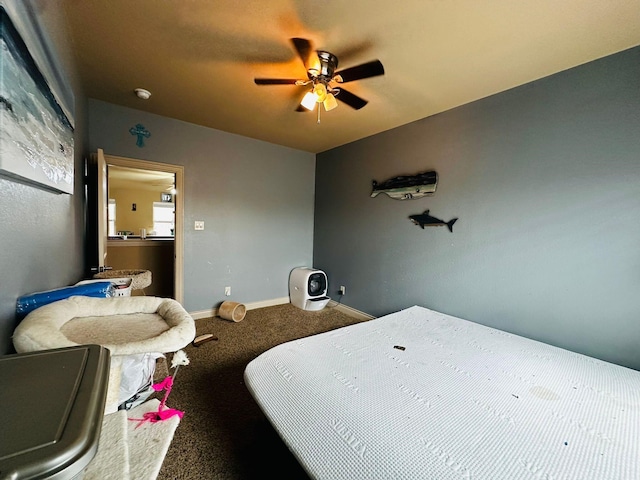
(223, 434)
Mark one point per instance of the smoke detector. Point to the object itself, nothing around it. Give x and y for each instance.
(142, 93)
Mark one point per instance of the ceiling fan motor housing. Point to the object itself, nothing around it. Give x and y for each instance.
(328, 65)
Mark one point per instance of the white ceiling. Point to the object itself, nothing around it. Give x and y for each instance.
(199, 57)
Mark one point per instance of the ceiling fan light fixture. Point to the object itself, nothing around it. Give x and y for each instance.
(330, 102)
(320, 91)
(309, 100)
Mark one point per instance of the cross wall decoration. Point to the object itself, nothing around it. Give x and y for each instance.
(141, 133)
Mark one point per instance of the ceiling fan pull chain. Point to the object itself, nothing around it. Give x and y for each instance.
(319, 113)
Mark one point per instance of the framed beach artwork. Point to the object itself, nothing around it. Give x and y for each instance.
(36, 139)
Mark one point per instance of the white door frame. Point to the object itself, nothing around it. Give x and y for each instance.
(178, 171)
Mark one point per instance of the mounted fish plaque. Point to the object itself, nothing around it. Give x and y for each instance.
(424, 219)
(407, 187)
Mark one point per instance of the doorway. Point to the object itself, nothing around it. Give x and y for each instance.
(131, 240)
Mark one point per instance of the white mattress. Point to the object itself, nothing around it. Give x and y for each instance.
(457, 400)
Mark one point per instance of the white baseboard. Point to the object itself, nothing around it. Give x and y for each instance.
(352, 312)
(249, 306)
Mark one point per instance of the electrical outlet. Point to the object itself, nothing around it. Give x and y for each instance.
(227, 291)
(199, 225)
(343, 289)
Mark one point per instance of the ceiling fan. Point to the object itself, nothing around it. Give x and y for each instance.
(324, 78)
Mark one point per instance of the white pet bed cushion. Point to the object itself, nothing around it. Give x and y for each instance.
(124, 325)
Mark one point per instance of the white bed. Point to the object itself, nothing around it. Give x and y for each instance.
(422, 395)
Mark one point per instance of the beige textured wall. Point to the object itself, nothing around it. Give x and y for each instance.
(126, 218)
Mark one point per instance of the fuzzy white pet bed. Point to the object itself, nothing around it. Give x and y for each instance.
(124, 325)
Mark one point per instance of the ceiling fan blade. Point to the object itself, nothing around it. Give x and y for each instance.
(275, 81)
(300, 108)
(350, 99)
(306, 53)
(366, 70)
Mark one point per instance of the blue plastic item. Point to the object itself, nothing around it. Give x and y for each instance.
(28, 303)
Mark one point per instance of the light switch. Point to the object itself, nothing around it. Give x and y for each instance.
(199, 225)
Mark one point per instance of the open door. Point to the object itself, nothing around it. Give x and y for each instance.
(97, 212)
(103, 205)
(97, 216)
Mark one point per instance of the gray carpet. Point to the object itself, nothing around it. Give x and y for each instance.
(223, 434)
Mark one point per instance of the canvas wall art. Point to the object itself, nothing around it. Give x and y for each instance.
(36, 138)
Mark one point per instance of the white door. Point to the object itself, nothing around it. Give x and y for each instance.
(100, 165)
(103, 206)
(100, 228)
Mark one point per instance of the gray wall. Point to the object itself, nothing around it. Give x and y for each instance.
(545, 180)
(255, 198)
(41, 244)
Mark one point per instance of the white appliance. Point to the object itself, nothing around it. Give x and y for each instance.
(308, 288)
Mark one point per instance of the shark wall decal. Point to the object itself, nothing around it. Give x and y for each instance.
(424, 219)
